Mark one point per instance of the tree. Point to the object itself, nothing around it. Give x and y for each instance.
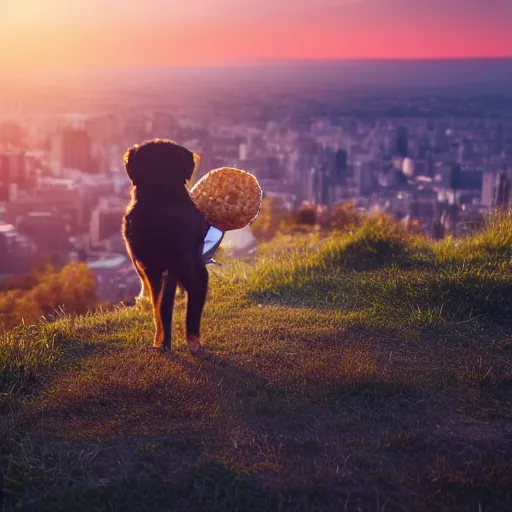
(268, 222)
(345, 216)
(73, 288)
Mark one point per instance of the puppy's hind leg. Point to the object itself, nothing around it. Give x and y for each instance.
(195, 281)
(155, 280)
(167, 306)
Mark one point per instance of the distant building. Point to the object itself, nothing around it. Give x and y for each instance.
(115, 276)
(402, 141)
(17, 252)
(364, 177)
(13, 175)
(488, 189)
(408, 167)
(243, 152)
(61, 196)
(311, 185)
(454, 177)
(72, 150)
(341, 166)
(469, 179)
(325, 187)
(502, 193)
(424, 207)
(106, 219)
(49, 230)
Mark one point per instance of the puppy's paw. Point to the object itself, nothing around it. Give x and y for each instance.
(194, 344)
(155, 349)
(158, 344)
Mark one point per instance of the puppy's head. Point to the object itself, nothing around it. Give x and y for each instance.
(160, 163)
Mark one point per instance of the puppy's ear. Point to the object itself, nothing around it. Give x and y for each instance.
(195, 171)
(129, 161)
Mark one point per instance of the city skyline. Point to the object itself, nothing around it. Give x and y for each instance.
(76, 33)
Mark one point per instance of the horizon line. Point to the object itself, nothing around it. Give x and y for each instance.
(271, 62)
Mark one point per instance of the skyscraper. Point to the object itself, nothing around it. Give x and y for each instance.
(72, 150)
(341, 166)
(488, 188)
(402, 141)
(13, 175)
(502, 191)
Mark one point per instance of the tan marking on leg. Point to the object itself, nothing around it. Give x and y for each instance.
(156, 301)
(159, 333)
(194, 343)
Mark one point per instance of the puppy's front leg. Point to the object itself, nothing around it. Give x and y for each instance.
(197, 289)
(167, 307)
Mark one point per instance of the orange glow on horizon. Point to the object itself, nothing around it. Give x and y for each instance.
(34, 39)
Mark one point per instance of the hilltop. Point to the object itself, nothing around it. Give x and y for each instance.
(366, 370)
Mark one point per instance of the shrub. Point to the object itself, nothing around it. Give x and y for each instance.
(267, 224)
(72, 289)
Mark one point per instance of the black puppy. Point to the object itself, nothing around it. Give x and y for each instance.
(164, 233)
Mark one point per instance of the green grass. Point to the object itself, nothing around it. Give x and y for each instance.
(367, 371)
(398, 281)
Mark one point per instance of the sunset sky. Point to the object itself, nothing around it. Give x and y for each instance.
(59, 33)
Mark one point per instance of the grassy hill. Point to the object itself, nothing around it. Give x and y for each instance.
(365, 371)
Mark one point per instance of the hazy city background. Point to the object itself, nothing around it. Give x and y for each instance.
(429, 141)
